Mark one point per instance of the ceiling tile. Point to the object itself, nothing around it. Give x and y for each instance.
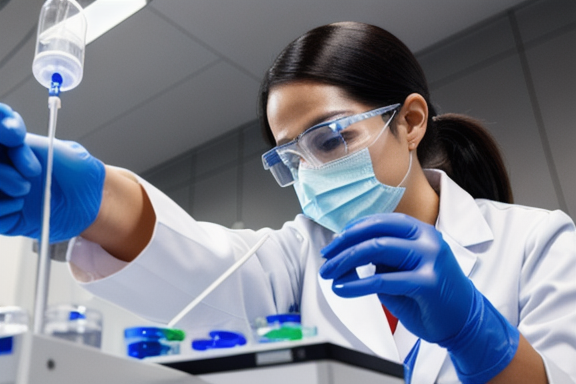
(252, 32)
(18, 69)
(142, 57)
(17, 18)
(195, 111)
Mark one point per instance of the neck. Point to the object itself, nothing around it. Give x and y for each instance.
(420, 200)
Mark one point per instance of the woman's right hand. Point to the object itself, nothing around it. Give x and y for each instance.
(77, 183)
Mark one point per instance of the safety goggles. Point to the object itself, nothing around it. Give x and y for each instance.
(324, 143)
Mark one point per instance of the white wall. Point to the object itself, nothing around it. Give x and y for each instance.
(517, 73)
(17, 272)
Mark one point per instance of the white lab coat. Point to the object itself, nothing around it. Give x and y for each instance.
(522, 259)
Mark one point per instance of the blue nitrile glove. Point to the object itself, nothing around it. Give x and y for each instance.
(419, 280)
(77, 183)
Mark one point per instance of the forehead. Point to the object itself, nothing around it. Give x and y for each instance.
(292, 108)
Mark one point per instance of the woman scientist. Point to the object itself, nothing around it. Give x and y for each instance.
(483, 290)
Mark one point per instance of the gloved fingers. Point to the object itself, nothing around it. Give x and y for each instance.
(390, 252)
(24, 160)
(347, 277)
(39, 144)
(397, 284)
(65, 151)
(12, 183)
(392, 303)
(402, 307)
(9, 206)
(12, 127)
(8, 222)
(380, 225)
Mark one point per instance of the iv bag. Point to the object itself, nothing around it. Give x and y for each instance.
(60, 43)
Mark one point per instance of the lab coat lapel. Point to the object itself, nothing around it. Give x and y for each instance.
(364, 317)
(462, 226)
(459, 217)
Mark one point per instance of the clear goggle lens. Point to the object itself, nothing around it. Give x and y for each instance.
(325, 143)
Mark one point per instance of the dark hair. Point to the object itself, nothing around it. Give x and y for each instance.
(375, 68)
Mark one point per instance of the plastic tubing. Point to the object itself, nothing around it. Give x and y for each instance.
(218, 281)
(44, 259)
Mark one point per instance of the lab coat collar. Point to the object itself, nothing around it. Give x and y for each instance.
(459, 215)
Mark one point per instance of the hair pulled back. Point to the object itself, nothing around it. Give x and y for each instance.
(375, 68)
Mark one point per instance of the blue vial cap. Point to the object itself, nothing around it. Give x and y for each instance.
(284, 318)
(142, 349)
(149, 333)
(154, 333)
(55, 85)
(6, 345)
(219, 339)
(75, 315)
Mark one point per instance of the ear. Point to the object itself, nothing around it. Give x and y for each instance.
(414, 116)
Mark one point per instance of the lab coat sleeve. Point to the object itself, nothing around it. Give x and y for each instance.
(184, 257)
(547, 299)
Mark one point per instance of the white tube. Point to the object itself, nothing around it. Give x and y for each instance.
(43, 277)
(218, 281)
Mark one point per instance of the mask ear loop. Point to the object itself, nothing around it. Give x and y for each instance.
(386, 126)
(408, 171)
(380, 134)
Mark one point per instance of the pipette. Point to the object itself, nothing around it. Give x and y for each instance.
(58, 65)
(218, 281)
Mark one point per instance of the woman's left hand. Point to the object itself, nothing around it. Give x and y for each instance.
(417, 277)
(419, 280)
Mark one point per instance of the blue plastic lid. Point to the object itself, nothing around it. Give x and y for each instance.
(6, 345)
(284, 318)
(142, 349)
(151, 333)
(219, 339)
(75, 315)
(55, 84)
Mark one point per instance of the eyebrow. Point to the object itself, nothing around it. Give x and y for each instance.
(324, 118)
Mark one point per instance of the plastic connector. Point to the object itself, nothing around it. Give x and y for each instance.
(55, 85)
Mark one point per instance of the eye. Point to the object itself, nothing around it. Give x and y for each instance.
(330, 144)
(326, 141)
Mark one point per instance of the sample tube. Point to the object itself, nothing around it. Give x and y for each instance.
(75, 323)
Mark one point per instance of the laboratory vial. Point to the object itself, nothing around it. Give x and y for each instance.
(60, 43)
(219, 340)
(282, 327)
(75, 323)
(13, 320)
(142, 342)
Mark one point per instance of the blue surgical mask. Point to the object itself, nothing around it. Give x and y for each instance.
(344, 190)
